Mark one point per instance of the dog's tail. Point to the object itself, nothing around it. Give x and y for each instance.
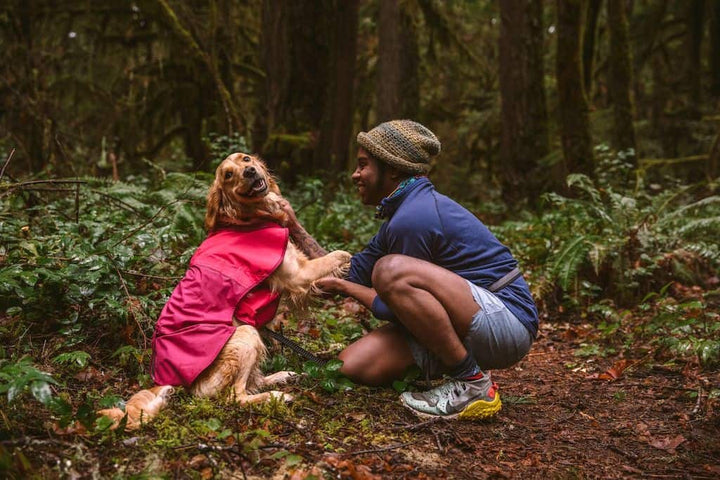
(141, 408)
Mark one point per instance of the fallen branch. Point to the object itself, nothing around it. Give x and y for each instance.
(2, 172)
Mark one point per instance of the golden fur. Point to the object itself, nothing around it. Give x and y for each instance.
(243, 193)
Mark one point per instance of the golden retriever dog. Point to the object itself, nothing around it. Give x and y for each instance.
(242, 195)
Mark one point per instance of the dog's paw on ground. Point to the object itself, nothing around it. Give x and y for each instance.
(281, 396)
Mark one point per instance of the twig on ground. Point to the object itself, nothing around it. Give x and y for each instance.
(381, 449)
(144, 224)
(622, 452)
(2, 172)
(698, 403)
(127, 294)
(417, 426)
(437, 441)
(145, 275)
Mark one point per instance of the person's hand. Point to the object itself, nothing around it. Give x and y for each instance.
(329, 284)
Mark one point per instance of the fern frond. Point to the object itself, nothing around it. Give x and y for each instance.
(683, 210)
(568, 261)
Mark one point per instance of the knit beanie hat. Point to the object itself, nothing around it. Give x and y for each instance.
(403, 144)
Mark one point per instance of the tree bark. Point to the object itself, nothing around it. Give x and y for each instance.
(620, 78)
(524, 140)
(336, 125)
(714, 50)
(588, 45)
(694, 19)
(572, 102)
(231, 111)
(398, 91)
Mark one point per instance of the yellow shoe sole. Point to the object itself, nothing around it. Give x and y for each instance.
(481, 409)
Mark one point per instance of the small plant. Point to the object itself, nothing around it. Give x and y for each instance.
(686, 329)
(77, 358)
(328, 375)
(22, 376)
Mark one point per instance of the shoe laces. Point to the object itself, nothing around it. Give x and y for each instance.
(450, 387)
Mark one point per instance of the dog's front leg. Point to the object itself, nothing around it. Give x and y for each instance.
(333, 264)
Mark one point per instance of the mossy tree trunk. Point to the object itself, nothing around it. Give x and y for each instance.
(524, 139)
(588, 45)
(235, 122)
(572, 103)
(620, 78)
(310, 68)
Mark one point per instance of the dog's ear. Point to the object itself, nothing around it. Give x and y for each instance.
(214, 201)
(272, 184)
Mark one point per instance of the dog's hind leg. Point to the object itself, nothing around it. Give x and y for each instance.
(277, 378)
(251, 353)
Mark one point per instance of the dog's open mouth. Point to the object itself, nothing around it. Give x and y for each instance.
(258, 187)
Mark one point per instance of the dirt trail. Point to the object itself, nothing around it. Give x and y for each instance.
(559, 422)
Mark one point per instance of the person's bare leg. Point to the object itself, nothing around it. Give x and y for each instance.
(437, 306)
(434, 304)
(378, 358)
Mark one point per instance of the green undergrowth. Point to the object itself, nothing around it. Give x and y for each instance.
(86, 267)
(617, 247)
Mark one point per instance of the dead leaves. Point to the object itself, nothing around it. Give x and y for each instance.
(348, 469)
(669, 443)
(613, 373)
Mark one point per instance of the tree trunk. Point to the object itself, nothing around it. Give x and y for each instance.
(398, 91)
(336, 126)
(588, 45)
(714, 50)
(524, 139)
(572, 102)
(620, 78)
(186, 38)
(694, 13)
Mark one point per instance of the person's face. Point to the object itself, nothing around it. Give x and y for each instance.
(373, 184)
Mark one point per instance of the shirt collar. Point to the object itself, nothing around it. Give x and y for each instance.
(389, 204)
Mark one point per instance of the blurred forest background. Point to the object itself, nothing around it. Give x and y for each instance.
(585, 133)
(518, 92)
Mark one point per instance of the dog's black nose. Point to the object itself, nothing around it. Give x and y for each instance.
(249, 172)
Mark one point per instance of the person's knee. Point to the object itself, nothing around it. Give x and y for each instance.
(352, 368)
(360, 370)
(388, 272)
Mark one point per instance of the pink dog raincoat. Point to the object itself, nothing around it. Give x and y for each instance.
(224, 278)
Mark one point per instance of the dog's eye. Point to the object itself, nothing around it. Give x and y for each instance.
(228, 175)
(246, 159)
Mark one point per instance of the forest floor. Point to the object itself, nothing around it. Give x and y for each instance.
(564, 416)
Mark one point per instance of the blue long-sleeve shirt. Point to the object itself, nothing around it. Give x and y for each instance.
(425, 224)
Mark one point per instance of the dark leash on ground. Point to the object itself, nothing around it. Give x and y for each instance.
(292, 345)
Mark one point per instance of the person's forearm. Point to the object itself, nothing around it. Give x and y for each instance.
(364, 295)
(305, 242)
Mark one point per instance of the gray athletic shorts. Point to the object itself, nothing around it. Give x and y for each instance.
(497, 339)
